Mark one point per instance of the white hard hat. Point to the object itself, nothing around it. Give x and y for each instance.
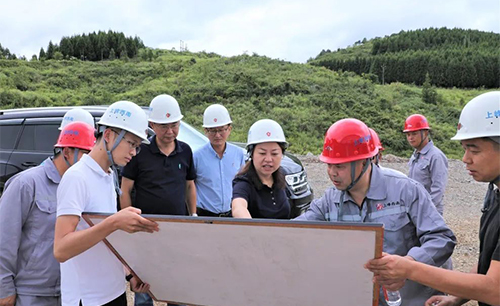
(216, 115)
(77, 115)
(265, 130)
(164, 109)
(480, 117)
(127, 116)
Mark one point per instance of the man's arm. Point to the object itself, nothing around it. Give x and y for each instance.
(15, 204)
(479, 287)
(436, 239)
(191, 196)
(125, 198)
(69, 243)
(439, 178)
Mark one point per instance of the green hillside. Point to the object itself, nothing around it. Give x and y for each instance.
(305, 99)
(451, 58)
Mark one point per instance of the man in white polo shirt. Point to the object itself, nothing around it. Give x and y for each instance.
(90, 186)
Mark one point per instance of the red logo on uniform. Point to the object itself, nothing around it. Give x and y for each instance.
(168, 115)
(380, 206)
(268, 134)
(215, 119)
(459, 126)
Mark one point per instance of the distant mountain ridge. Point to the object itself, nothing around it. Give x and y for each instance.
(451, 57)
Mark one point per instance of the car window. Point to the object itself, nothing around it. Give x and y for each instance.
(40, 138)
(191, 136)
(8, 136)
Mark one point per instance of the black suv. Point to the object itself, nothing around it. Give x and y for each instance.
(27, 137)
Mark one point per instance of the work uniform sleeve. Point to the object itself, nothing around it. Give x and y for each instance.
(317, 211)
(437, 241)
(15, 204)
(439, 178)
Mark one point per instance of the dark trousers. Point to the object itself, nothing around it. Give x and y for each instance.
(119, 301)
(206, 213)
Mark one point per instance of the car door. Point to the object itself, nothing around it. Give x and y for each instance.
(36, 143)
(9, 133)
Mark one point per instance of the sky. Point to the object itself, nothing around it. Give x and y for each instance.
(291, 30)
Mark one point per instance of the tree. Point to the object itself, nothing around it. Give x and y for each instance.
(42, 54)
(33, 57)
(112, 54)
(58, 55)
(429, 93)
(50, 50)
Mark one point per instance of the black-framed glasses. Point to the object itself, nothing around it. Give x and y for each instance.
(168, 126)
(215, 131)
(131, 144)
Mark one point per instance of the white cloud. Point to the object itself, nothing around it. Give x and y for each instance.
(293, 30)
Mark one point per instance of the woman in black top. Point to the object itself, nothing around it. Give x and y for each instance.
(259, 188)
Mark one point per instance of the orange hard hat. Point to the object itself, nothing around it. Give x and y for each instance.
(416, 122)
(348, 140)
(78, 135)
(376, 139)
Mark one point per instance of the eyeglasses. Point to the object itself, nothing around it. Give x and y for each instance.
(131, 144)
(168, 126)
(217, 131)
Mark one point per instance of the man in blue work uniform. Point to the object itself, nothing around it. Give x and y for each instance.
(29, 273)
(478, 131)
(366, 193)
(216, 163)
(428, 165)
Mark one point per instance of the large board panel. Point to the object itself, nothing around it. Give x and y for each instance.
(228, 262)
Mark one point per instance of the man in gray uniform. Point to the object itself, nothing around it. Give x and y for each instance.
(428, 165)
(366, 193)
(29, 273)
(478, 130)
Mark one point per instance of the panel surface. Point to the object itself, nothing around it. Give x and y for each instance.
(227, 262)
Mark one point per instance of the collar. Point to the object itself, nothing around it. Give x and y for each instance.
(155, 150)
(51, 171)
(376, 191)
(212, 151)
(92, 164)
(427, 147)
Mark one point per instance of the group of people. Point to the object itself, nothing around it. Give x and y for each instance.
(40, 209)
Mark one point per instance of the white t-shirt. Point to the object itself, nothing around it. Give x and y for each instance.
(70, 287)
(97, 272)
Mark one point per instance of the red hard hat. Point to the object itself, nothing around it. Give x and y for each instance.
(416, 122)
(348, 140)
(376, 140)
(76, 135)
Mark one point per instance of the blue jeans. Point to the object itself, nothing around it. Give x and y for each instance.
(143, 299)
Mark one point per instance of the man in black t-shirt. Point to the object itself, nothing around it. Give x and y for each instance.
(162, 173)
(478, 131)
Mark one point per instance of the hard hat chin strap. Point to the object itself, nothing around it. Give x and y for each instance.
(353, 182)
(110, 158)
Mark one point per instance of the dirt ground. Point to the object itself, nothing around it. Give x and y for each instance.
(463, 202)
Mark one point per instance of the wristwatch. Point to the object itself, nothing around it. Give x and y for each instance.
(129, 277)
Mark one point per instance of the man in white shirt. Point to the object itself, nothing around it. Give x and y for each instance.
(90, 186)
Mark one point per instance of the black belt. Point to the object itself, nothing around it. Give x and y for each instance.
(207, 213)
